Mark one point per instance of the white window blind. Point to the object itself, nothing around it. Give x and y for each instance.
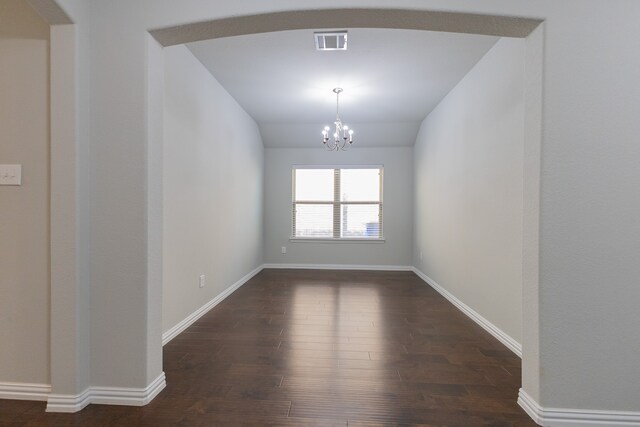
(337, 203)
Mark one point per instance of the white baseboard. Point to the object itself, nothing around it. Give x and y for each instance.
(68, 402)
(106, 396)
(191, 319)
(128, 396)
(552, 417)
(24, 391)
(341, 267)
(498, 333)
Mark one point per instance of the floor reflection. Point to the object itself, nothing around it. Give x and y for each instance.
(333, 330)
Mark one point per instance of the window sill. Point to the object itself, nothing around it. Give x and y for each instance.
(333, 240)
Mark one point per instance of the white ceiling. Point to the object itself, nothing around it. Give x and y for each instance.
(391, 79)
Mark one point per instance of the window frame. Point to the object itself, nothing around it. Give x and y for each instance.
(337, 205)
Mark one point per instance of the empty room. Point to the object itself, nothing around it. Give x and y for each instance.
(407, 213)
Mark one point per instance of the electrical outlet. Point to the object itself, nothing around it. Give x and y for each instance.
(284, 249)
(10, 174)
(201, 282)
(420, 255)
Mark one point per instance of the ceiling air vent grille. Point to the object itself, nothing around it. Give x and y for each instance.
(335, 40)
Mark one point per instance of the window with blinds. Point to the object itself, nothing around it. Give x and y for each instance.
(337, 203)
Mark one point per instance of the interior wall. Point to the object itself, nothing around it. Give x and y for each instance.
(398, 208)
(469, 188)
(70, 177)
(589, 231)
(212, 188)
(24, 218)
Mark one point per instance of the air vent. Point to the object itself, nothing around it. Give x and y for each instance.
(336, 40)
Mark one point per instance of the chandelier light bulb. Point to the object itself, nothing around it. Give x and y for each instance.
(339, 142)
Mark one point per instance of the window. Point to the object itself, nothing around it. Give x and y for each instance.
(332, 203)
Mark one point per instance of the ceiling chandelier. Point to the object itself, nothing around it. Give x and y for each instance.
(342, 136)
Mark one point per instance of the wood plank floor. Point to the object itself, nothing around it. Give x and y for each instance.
(322, 348)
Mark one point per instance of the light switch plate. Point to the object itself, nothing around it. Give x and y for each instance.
(10, 174)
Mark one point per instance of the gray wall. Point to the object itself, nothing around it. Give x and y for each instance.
(469, 189)
(398, 208)
(24, 217)
(213, 186)
(589, 228)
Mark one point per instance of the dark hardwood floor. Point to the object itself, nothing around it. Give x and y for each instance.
(322, 348)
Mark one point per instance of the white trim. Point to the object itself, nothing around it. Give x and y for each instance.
(335, 240)
(530, 406)
(338, 166)
(498, 333)
(189, 320)
(24, 391)
(552, 417)
(128, 396)
(106, 396)
(67, 402)
(340, 267)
